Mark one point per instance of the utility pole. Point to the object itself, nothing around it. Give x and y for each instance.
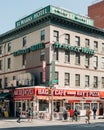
(52, 86)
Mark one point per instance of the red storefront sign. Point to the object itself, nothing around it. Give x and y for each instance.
(70, 93)
(24, 94)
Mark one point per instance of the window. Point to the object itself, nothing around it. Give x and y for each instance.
(56, 54)
(43, 105)
(0, 64)
(77, 58)
(102, 47)
(9, 47)
(95, 45)
(0, 83)
(77, 80)
(95, 85)
(86, 80)
(56, 36)
(5, 82)
(67, 78)
(87, 43)
(86, 106)
(9, 63)
(87, 60)
(42, 55)
(67, 56)
(41, 77)
(57, 76)
(77, 41)
(0, 50)
(102, 62)
(102, 82)
(24, 59)
(24, 41)
(95, 62)
(14, 77)
(42, 35)
(67, 39)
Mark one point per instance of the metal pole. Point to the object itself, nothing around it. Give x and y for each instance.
(52, 87)
(52, 105)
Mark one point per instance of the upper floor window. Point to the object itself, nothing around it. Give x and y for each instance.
(102, 82)
(67, 56)
(56, 36)
(102, 62)
(9, 47)
(95, 62)
(77, 80)
(42, 55)
(77, 58)
(102, 47)
(95, 85)
(24, 59)
(1, 50)
(87, 60)
(1, 65)
(67, 39)
(14, 77)
(5, 82)
(42, 35)
(9, 63)
(41, 78)
(67, 78)
(87, 81)
(87, 43)
(0, 83)
(24, 41)
(77, 41)
(95, 45)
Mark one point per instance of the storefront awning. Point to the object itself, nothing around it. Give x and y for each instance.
(4, 96)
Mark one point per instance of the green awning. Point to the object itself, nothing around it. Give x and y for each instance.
(4, 96)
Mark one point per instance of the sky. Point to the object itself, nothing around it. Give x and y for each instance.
(13, 10)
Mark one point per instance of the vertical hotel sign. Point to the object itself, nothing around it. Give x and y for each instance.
(44, 71)
(57, 11)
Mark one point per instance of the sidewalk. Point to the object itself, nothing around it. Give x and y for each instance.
(42, 122)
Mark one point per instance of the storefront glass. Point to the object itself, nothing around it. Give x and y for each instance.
(43, 105)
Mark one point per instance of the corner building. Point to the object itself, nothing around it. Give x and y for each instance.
(57, 49)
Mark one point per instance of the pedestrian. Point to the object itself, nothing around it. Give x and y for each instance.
(76, 114)
(19, 115)
(30, 114)
(94, 112)
(88, 113)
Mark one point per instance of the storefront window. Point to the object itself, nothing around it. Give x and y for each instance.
(23, 106)
(78, 106)
(94, 105)
(43, 105)
(86, 105)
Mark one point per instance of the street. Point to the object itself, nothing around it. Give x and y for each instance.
(11, 124)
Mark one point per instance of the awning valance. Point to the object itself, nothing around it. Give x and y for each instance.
(4, 96)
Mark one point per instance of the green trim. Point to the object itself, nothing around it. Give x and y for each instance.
(74, 48)
(30, 49)
(51, 19)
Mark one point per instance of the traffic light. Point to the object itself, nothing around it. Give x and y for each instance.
(49, 90)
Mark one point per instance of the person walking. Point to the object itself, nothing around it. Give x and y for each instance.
(30, 114)
(19, 115)
(88, 113)
(94, 112)
(76, 114)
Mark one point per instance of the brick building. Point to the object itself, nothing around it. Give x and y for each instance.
(96, 12)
